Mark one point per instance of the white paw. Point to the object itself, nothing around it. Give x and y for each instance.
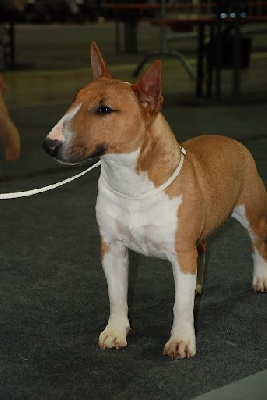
(112, 338)
(198, 290)
(259, 283)
(180, 348)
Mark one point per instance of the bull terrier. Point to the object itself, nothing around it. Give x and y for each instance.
(155, 196)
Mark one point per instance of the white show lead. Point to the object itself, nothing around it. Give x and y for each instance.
(15, 195)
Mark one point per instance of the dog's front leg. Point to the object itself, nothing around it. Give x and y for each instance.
(182, 342)
(115, 264)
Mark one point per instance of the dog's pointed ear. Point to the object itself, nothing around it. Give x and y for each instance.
(100, 70)
(149, 87)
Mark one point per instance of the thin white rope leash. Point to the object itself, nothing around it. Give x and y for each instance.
(15, 195)
(154, 191)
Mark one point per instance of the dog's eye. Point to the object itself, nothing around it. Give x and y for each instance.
(104, 110)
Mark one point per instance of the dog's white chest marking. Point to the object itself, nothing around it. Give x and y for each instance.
(147, 226)
(151, 229)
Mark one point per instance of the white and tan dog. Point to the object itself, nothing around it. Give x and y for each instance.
(156, 197)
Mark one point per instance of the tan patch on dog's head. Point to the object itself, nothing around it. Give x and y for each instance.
(107, 121)
(149, 90)
(159, 153)
(112, 116)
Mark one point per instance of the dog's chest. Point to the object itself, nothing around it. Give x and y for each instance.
(147, 226)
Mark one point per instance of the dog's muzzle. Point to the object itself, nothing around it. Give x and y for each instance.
(52, 147)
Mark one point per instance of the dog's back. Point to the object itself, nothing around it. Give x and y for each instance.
(232, 181)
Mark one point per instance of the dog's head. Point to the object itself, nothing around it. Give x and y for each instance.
(107, 115)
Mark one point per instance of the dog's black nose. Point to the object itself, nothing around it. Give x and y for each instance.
(52, 147)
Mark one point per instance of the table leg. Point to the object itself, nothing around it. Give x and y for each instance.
(218, 58)
(200, 59)
(130, 35)
(236, 53)
(210, 65)
(12, 43)
(117, 34)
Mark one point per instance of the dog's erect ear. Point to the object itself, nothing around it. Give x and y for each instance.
(100, 70)
(149, 87)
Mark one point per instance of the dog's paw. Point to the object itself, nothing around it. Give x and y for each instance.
(178, 349)
(198, 290)
(259, 284)
(110, 338)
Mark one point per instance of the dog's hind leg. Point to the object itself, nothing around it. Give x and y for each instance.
(251, 213)
(201, 250)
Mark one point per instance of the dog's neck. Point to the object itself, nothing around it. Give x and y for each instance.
(140, 171)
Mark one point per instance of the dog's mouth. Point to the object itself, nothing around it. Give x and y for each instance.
(55, 149)
(99, 151)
